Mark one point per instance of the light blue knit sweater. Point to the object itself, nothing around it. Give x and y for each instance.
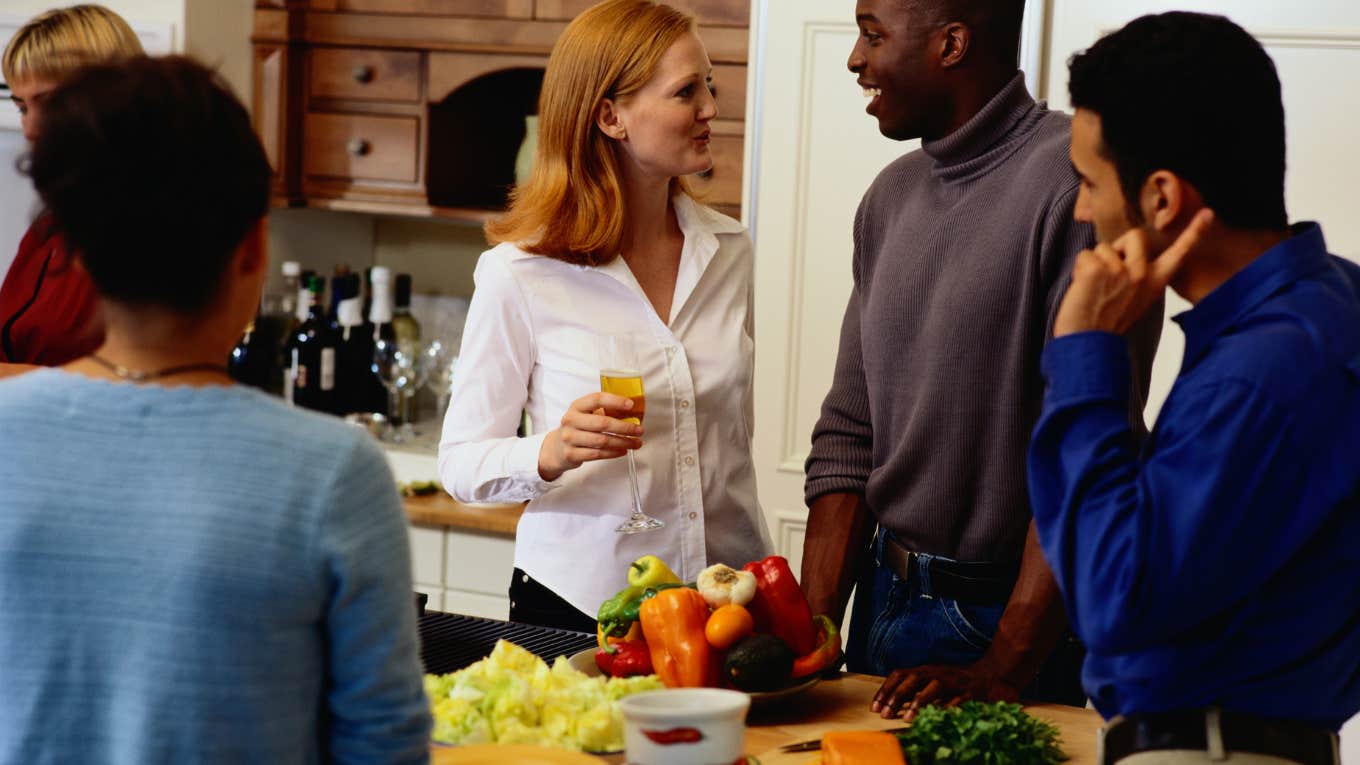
(199, 575)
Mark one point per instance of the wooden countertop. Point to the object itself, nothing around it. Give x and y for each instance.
(843, 704)
(442, 510)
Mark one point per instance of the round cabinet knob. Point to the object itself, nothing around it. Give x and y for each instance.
(358, 147)
(363, 73)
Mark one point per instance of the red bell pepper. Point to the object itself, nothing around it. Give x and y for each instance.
(624, 658)
(780, 607)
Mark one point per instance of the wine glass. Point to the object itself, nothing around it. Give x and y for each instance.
(621, 374)
(394, 364)
(415, 373)
(439, 359)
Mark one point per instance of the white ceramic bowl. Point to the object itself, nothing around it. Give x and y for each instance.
(685, 726)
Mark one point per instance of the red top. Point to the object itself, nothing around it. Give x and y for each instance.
(49, 311)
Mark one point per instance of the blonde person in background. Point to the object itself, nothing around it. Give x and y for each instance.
(49, 314)
(605, 237)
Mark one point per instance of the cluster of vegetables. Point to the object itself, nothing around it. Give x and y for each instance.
(750, 629)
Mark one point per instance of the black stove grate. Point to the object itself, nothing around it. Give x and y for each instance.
(449, 642)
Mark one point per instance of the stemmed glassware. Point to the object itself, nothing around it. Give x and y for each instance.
(396, 365)
(439, 359)
(621, 374)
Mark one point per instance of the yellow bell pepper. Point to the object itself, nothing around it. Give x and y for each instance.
(649, 571)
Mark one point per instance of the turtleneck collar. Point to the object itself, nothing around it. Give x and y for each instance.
(990, 136)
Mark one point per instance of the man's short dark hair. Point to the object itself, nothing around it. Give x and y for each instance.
(1197, 95)
(153, 174)
(999, 22)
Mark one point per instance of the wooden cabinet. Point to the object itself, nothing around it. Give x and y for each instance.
(416, 107)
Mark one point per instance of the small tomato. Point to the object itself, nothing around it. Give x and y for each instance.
(727, 625)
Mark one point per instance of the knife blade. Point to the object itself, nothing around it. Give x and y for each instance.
(813, 745)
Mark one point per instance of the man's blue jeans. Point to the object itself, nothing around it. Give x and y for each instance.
(897, 624)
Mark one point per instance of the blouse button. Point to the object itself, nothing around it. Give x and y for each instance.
(689, 460)
(693, 515)
(684, 403)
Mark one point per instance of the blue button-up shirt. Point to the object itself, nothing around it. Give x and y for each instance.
(1217, 561)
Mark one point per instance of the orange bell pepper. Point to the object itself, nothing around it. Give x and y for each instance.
(673, 625)
(861, 747)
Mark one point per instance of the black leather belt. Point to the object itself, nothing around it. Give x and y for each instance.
(1190, 730)
(969, 582)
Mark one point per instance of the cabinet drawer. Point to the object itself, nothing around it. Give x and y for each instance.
(475, 604)
(358, 73)
(479, 563)
(722, 186)
(362, 147)
(427, 555)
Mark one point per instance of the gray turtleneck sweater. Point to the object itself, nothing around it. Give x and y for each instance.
(962, 253)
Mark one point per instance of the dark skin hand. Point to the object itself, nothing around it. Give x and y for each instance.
(1030, 627)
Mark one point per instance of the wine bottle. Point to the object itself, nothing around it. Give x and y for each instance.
(251, 361)
(405, 325)
(353, 352)
(312, 355)
(276, 323)
(379, 328)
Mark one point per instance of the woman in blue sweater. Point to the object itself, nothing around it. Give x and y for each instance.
(189, 570)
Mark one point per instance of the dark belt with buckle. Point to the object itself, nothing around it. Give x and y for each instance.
(969, 582)
(1189, 730)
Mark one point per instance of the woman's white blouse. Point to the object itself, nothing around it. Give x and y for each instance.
(529, 344)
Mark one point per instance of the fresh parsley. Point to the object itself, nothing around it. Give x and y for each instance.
(978, 733)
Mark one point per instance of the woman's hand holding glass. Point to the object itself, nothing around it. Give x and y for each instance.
(593, 428)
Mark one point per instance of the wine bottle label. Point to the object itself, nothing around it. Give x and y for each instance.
(327, 369)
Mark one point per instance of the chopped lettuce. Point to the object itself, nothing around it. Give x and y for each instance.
(514, 697)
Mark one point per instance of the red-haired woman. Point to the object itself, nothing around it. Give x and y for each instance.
(606, 237)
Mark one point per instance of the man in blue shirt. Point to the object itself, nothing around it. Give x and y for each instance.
(1211, 569)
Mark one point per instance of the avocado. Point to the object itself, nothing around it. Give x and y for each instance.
(759, 663)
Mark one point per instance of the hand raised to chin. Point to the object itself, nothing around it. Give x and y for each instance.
(1115, 284)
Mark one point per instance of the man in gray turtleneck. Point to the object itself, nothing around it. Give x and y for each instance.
(962, 252)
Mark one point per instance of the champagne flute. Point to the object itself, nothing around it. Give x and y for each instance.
(621, 374)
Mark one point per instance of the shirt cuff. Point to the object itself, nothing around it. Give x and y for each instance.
(1087, 365)
(523, 465)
